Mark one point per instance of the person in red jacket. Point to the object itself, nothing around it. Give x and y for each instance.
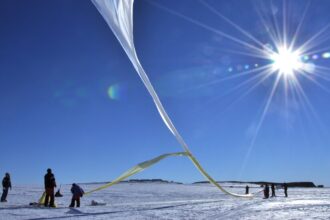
(50, 184)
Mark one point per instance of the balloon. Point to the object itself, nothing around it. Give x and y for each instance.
(119, 16)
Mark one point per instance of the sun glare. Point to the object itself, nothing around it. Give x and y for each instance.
(286, 61)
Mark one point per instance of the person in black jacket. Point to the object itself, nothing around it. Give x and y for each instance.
(273, 190)
(50, 184)
(266, 192)
(285, 187)
(6, 184)
(247, 189)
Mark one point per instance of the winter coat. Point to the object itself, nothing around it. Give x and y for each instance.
(50, 180)
(77, 191)
(6, 183)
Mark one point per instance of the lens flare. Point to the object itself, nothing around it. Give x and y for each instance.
(315, 57)
(113, 92)
(326, 55)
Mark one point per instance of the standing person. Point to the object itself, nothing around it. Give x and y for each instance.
(77, 192)
(266, 192)
(247, 189)
(285, 186)
(50, 184)
(273, 190)
(6, 184)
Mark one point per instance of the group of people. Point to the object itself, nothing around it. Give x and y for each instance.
(50, 185)
(272, 187)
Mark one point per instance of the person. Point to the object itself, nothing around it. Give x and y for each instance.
(6, 184)
(273, 190)
(285, 187)
(50, 184)
(247, 189)
(266, 192)
(77, 192)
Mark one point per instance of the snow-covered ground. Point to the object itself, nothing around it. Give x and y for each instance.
(169, 201)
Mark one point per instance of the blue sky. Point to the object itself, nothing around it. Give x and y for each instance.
(71, 100)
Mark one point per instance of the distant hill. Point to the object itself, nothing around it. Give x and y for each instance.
(290, 184)
(137, 181)
(150, 181)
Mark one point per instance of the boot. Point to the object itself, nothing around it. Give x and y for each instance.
(72, 203)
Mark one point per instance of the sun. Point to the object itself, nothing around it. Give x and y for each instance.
(286, 61)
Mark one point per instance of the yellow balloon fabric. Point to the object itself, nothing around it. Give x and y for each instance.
(41, 201)
(136, 169)
(144, 165)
